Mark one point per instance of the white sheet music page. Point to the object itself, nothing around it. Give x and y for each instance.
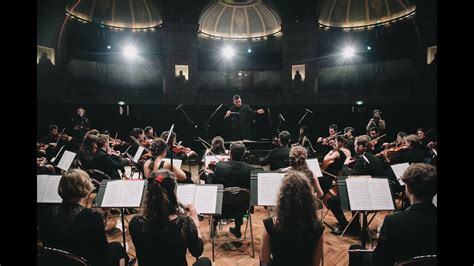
(66, 160)
(358, 192)
(176, 162)
(380, 194)
(41, 184)
(206, 198)
(51, 195)
(138, 154)
(123, 193)
(186, 194)
(399, 169)
(313, 165)
(268, 186)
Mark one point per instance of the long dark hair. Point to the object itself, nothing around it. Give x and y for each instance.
(296, 207)
(298, 155)
(160, 201)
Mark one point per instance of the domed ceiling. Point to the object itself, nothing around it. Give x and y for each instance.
(131, 14)
(239, 19)
(363, 13)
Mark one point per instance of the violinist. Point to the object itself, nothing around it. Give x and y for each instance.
(179, 152)
(377, 143)
(158, 150)
(427, 143)
(149, 133)
(278, 157)
(54, 140)
(332, 134)
(399, 141)
(137, 139)
(337, 156)
(104, 162)
(217, 147)
(87, 150)
(413, 153)
(349, 135)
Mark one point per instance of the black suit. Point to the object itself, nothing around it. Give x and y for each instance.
(231, 174)
(407, 234)
(372, 166)
(241, 123)
(277, 158)
(104, 162)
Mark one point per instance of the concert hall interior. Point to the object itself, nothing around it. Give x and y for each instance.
(256, 132)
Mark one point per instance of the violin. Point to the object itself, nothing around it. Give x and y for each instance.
(392, 152)
(327, 139)
(178, 149)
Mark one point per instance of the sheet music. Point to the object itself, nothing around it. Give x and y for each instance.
(186, 194)
(380, 193)
(176, 162)
(206, 198)
(47, 189)
(123, 193)
(399, 169)
(66, 160)
(369, 194)
(138, 154)
(268, 186)
(313, 165)
(358, 192)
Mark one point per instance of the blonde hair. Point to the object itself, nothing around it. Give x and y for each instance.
(75, 184)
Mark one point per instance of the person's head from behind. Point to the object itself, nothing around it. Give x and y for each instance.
(420, 180)
(332, 129)
(362, 144)
(298, 155)
(296, 207)
(217, 144)
(53, 130)
(102, 141)
(164, 135)
(158, 147)
(81, 111)
(237, 151)
(90, 142)
(160, 199)
(284, 137)
(181, 72)
(75, 185)
(237, 100)
(400, 135)
(373, 132)
(412, 141)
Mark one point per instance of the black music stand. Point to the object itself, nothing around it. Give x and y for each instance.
(100, 197)
(345, 205)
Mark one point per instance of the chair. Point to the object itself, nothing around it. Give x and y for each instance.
(47, 256)
(426, 260)
(235, 201)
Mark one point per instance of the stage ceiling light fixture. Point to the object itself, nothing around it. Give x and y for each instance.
(228, 52)
(348, 52)
(130, 52)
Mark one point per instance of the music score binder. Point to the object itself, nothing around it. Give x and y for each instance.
(47, 189)
(269, 191)
(121, 194)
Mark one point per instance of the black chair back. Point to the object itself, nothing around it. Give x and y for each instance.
(235, 201)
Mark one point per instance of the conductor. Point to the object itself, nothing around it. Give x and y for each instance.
(241, 115)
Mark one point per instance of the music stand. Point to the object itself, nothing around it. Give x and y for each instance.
(206, 125)
(345, 205)
(100, 198)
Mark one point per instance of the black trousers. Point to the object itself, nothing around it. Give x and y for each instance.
(115, 252)
(241, 133)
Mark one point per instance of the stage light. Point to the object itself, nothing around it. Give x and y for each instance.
(130, 52)
(369, 48)
(348, 52)
(109, 47)
(249, 50)
(121, 103)
(359, 103)
(228, 52)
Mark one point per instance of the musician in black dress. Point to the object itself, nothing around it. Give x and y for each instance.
(242, 116)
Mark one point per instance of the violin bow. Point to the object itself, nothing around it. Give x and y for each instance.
(60, 135)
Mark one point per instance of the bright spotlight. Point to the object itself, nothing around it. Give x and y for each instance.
(359, 103)
(121, 103)
(228, 52)
(109, 47)
(369, 48)
(249, 50)
(348, 52)
(130, 52)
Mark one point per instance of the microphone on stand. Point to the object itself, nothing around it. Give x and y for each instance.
(281, 117)
(179, 107)
(309, 111)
